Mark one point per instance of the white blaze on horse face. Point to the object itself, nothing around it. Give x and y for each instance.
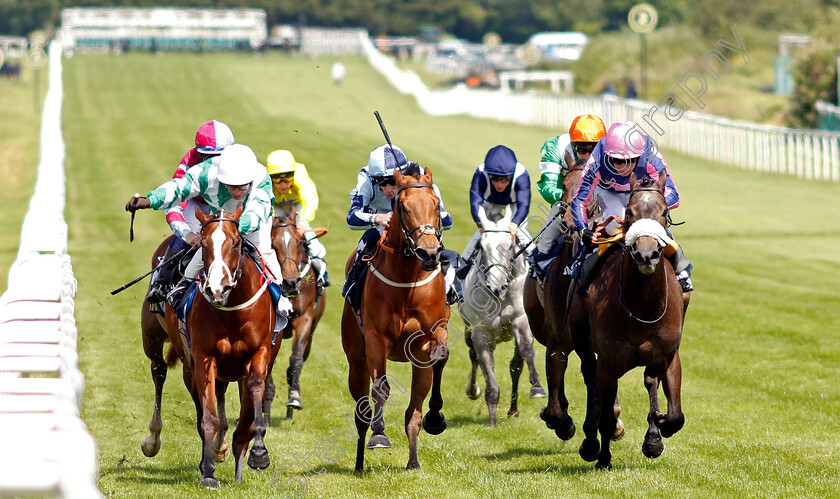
(287, 238)
(218, 269)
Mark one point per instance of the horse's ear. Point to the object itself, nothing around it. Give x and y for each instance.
(633, 181)
(663, 178)
(201, 216)
(398, 176)
(275, 222)
(238, 211)
(427, 175)
(293, 215)
(482, 217)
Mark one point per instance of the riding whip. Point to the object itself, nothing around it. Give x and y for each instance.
(387, 138)
(526, 245)
(135, 281)
(131, 229)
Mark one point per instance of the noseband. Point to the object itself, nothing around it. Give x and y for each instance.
(425, 229)
(302, 271)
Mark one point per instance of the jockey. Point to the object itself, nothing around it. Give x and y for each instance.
(210, 140)
(501, 181)
(557, 157)
(625, 149)
(293, 187)
(225, 181)
(372, 202)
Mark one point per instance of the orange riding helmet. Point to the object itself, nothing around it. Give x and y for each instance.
(587, 128)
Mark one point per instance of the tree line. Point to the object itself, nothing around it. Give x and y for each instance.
(513, 20)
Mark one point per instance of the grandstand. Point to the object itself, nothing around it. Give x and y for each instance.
(104, 30)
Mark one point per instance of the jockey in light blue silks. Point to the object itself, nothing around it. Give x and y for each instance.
(371, 205)
(499, 182)
(624, 150)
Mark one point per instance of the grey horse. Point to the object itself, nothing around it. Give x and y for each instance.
(493, 311)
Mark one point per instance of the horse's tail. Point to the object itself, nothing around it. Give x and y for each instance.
(171, 357)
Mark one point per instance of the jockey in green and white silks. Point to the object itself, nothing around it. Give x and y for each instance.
(225, 181)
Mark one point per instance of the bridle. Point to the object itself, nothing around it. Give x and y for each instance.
(510, 279)
(304, 265)
(424, 229)
(565, 228)
(236, 274)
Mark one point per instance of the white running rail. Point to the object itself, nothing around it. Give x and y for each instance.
(46, 446)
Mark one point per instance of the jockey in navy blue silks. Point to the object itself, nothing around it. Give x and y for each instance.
(501, 181)
(372, 202)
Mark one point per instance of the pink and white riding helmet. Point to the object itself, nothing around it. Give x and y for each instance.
(212, 137)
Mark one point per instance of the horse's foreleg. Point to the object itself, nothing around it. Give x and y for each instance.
(421, 380)
(674, 420)
(607, 389)
(153, 342)
(556, 414)
(251, 422)
(484, 353)
(205, 377)
(220, 445)
(590, 447)
(652, 446)
(380, 395)
(516, 364)
(268, 398)
(434, 422)
(525, 347)
(473, 390)
(300, 344)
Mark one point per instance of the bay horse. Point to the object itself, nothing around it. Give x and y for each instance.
(633, 316)
(299, 285)
(493, 309)
(403, 318)
(228, 338)
(546, 308)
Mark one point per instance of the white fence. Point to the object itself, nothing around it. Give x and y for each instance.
(46, 446)
(811, 154)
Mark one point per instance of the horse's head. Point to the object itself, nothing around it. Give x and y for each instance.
(288, 242)
(221, 246)
(571, 182)
(645, 220)
(418, 214)
(497, 248)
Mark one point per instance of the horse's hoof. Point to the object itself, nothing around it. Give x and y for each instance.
(412, 466)
(434, 425)
(513, 413)
(473, 392)
(222, 454)
(589, 450)
(150, 446)
(537, 392)
(601, 466)
(653, 446)
(209, 483)
(258, 459)
(294, 402)
(566, 430)
(620, 430)
(378, 442)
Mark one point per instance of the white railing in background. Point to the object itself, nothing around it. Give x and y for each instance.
(812, 154)
(46, 446)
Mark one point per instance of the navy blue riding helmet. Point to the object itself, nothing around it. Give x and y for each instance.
(500, 160)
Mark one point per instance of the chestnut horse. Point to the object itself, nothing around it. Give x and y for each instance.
(633, 316)
(299, 285)
(403, 318)
(228, 338)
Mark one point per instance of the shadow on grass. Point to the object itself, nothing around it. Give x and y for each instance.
(147, 473)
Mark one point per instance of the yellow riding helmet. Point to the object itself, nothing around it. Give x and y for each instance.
(587, 128)
(280, 161)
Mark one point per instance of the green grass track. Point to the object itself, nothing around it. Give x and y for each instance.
(760, 352)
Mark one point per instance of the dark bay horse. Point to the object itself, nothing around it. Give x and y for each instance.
(546, 307)
(403, 318)
(228, 339)
(299, 285)
(633, 316)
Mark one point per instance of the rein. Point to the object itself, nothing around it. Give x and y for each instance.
(305, 270)
(425, 229)
(624, 302)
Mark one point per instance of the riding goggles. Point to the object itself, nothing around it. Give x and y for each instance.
(383, 181)
(287, 178)
(500, 178)
(584, 148)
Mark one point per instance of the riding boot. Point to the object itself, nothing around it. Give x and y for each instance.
(353, 274)
(162, 277)
(682, 268)
(177, 294)
(587, 272)
(321, 268)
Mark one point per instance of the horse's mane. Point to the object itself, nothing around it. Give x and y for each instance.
(412, 169)
(647, 182)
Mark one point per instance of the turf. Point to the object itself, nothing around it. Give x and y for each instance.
(760, 350)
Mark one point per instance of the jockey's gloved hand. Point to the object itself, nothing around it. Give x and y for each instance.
(587, 235)
(137, 202)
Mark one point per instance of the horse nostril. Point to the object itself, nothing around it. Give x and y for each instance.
(422, 254)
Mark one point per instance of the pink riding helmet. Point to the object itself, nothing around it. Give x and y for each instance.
(212, 137)
(625, 140)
